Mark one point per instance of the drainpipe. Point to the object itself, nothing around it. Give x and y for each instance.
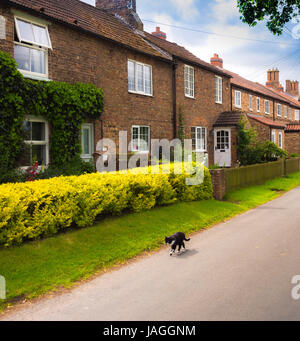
(231, 89)
(174, 91)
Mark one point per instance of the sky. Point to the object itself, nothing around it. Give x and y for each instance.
(249, 51)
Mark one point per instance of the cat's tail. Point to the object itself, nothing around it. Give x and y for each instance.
(187, 239)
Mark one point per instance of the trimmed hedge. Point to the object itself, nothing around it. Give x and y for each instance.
(43, 208)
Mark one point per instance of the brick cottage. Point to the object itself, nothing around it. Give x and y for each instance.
(150, 85)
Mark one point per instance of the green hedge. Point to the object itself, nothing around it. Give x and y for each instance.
(43, 208)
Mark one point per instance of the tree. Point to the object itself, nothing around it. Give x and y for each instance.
(276, 12)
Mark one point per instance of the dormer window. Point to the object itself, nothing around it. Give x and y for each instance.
(31, 48)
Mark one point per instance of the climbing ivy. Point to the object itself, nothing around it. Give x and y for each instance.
(65, 106)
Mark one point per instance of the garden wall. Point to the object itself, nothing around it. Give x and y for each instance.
(228, 179)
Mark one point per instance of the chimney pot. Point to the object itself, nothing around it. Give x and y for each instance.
(216, 61)
(159, 34)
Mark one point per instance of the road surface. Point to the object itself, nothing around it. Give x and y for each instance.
(238, 270)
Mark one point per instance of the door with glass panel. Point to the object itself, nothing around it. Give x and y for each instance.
(223, 147)
(87, 141)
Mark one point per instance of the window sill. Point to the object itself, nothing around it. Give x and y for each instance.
(35, 77)
(140, 93)
(219, 102)
(190, 97)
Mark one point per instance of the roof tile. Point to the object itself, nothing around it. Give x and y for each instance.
(91, 19)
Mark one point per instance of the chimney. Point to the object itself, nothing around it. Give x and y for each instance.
(273, 79)
(159, 34)
(216, 60)
(125, 9)
(280, 88)
(292, 88)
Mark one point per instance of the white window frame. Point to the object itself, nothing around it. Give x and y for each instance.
(285, 111)
(280, 142)
(39, 143)
(267, 106)
(279, 112)
(90, 127)
(190, 90)
(136, 78)
(219, 89)
(139, 137)
(289, 113)
(197, 148)
(258, 104)
(237, 105)
(33, 45)
(250, 103)
(297, 115)
(273, 136)
(37, 74)
(32, 22)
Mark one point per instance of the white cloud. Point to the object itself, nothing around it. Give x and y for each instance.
(187, 9)
(248, 58)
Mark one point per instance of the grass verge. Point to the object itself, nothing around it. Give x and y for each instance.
(36, 268)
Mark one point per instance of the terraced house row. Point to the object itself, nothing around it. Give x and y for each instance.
(149, 83)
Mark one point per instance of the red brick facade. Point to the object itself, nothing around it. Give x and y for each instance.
(83, 51)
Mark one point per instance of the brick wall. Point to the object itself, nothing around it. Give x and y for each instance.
(6, 44)
(292, 142)
(79, 57)
(272, 105)
(202, 110)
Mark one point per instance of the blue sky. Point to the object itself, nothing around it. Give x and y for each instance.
(221, 19)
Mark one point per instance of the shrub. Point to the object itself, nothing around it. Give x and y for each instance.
(33, 210)
(294, 155)
(251, 151)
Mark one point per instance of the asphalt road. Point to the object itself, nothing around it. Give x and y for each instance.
(239, 270)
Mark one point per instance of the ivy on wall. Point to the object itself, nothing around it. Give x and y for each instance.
(65, 106)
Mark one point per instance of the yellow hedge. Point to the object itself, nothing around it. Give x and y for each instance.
(42, 208)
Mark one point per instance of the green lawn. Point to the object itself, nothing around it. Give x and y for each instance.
(38, 267)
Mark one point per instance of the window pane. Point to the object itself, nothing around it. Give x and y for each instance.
(140, 75)
(131, 76)
(135, 138)
(189, 81)
(38, 131)
(86, 141)
(40, 35)
(38, 154)
(144, 138)
(148, 80)
(27, 130)
(22, 57)
(25, 30)
(37, 61)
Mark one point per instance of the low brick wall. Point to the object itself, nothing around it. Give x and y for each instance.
(228, 179)
(218, 182)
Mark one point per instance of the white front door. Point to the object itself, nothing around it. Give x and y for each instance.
(223, 147)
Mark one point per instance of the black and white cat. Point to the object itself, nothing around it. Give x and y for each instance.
(176, 239)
